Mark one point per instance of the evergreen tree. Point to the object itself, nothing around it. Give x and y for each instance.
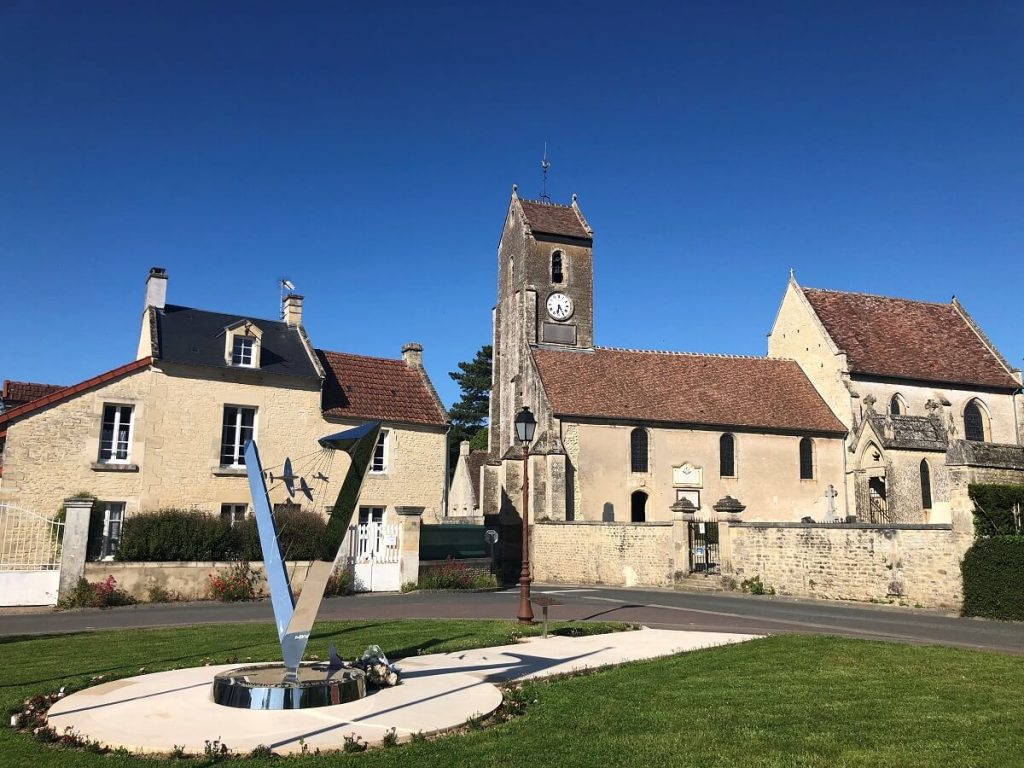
(469, 415)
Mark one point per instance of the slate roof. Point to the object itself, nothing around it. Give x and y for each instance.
(718, 390)
(922, 433)
(359, 387)
(995, 455)
(196, 337)
(553, 219)
(63, 394)
(15, 393)
(899, 338)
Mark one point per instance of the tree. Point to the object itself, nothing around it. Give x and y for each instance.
(469, 415)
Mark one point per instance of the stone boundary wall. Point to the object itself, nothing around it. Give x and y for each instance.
(913, 564)
(615, 554)
(478, 566)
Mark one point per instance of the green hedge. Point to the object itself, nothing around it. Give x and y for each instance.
(993, 572)
(179, 534)
(993, 513)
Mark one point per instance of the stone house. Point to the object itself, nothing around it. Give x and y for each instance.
(169, 428)
(911, 381)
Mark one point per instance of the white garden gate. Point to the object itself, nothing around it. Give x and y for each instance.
(373, 554)
(29, 557)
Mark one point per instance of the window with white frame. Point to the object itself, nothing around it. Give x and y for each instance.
(105, 534)
(116, 434)
(379, 462)
(242, 351)
(239, 425)
(233, 513)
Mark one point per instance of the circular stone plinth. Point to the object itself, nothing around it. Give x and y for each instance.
(262, 687)
(156, 712)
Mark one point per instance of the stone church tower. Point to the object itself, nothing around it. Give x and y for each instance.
(545, 299)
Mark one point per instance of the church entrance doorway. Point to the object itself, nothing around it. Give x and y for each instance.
(704, 556)
(878, 504)
(638, 507)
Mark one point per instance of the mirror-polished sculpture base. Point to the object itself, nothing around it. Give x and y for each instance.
(262, 687)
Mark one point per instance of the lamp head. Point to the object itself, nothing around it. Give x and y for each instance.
(526, 425)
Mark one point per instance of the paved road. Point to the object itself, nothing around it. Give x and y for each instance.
(655, 608)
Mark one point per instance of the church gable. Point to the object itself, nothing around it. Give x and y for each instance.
(913, 340)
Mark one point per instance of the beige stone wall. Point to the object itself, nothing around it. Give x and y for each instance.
(913, 565)
(617, 554)
(176, 446)
(767, 473)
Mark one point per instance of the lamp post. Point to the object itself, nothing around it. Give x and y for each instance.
(526, 425)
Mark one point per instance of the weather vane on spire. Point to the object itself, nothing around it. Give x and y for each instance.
(544, 166)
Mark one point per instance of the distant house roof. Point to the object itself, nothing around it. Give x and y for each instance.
(359, 387)
(917, 340)
(474, 462)
(196, 337)
(634, 385)
(67, 392)
(15, 393)
(553, 219)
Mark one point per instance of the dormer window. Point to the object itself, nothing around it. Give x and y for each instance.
(242, 345)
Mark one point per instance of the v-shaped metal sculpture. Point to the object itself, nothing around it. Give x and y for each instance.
(295, 619)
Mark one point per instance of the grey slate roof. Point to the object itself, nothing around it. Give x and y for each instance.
(921, 433)
(995, 455)
(196, 337)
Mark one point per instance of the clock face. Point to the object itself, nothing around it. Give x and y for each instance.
(559, 306)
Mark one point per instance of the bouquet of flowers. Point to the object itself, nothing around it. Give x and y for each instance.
(379, 672)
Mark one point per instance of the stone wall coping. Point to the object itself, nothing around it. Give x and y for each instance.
(846, 526)
(610, 524)
(129, 564)
(404, 511)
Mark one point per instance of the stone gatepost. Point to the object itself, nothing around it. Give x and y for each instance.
(680, 544)
(74, 543)
(410, 520)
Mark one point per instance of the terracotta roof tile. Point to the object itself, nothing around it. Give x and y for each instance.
(899, 338)
(15, 393)
(553, 219)
(751, 392)
(63, 394)
(359, 387)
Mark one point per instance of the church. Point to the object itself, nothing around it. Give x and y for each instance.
(865, 409)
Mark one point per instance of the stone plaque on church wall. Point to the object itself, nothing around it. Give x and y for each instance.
(688, 476)
(556, 333)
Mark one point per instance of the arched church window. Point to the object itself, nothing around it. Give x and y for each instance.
(638, 507)
(557, 276)
(638, 450)
(727, 455)
(897, 406)
(926, 485)
(806, 459)
(974, 422)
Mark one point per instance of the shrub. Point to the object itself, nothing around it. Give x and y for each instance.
(157, 594)
(340, 582)
(178, 534)
(452, 574)
(234, 583)
(755, 586)
(302, 534)
(993, 571)
(101, 594)
(994, 508)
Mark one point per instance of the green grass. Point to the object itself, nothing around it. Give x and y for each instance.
(789, 701)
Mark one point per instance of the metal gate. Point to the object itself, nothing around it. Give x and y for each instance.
(704, 556)
(373, 553)
(29, 557)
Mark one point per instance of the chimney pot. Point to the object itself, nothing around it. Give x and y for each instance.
(293, 310)
(412, 353)
(156, 288)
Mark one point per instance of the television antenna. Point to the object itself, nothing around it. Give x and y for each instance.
(287, 286)
(544, 166)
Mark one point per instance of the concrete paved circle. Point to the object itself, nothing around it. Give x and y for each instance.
(156, 712)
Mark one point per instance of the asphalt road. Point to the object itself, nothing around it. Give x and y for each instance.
(655, 608)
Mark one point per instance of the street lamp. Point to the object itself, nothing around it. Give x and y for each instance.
(526, 425)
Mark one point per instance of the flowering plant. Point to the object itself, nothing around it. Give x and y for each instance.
(237, 582)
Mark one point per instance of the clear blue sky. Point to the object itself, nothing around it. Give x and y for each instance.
(367, 151)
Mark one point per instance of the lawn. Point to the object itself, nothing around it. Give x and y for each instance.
(784, 701)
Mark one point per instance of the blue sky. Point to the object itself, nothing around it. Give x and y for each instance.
(367, 151)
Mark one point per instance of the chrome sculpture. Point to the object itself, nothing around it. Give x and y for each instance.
(297, 685)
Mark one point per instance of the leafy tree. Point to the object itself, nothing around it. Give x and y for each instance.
(469, 415)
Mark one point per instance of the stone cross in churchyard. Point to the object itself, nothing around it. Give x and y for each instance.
(830, 499)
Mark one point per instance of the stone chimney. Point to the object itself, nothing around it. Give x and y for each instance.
(412, 353)
(156, 288)
(292, 310)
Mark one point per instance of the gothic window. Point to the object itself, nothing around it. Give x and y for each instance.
(557, 275)
(897, 407)
(638, 450)
(806, 459)
(638, 507)
(727, 455)
(926, 485)
(974, 422)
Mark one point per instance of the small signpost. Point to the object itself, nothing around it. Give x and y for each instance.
(545, 602)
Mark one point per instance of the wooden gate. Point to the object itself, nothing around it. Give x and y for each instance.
(29, 557)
